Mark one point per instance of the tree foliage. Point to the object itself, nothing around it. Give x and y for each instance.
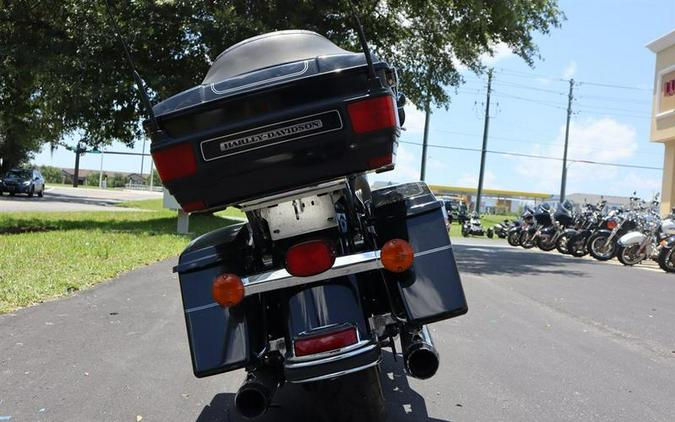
(62, 71)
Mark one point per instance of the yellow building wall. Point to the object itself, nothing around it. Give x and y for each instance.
(663, 129)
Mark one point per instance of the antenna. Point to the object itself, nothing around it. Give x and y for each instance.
(145, 100)
(372, 77)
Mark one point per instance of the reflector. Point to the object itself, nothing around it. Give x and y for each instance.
(227, 290)
(397, 255)
(309, 258)
(373, 114)
(325, 342)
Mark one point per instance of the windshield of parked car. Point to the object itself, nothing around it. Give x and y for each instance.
(19, 174)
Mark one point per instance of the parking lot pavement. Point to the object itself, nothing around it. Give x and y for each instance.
(546, 338)
(73, 199)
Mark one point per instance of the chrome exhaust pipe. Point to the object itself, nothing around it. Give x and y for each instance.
(255, 395)
(420, 357)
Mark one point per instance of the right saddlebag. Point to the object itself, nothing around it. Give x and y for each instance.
(431, 290)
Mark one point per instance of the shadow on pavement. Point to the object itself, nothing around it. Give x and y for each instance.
(292, 402)
(486, 260)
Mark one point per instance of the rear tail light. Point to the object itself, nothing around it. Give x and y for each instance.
(325, 342)
(193, 206)
(309, 258)
(381, 161)
(611, 224)
(373, 114)
(175, 162)
(227, 290)
(397, 256)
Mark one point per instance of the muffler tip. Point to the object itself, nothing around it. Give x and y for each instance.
(251, 402)
(422, 361)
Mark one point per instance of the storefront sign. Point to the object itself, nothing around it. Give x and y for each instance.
(667, 97)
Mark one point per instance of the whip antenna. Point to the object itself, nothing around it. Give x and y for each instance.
(145, 99)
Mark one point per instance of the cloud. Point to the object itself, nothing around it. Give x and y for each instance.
(570, 70)
(414, 119)
(470, 180)
(500, 52)
(602, 139)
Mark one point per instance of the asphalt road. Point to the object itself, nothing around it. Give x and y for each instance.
(547, 338)
(73, 199)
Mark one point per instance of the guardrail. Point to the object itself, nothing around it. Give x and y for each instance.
(140, 186)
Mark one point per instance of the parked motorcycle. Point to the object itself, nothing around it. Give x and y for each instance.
(325, 273)
(473, 226)
(648, 240)
(553, 226)
(591, 219)
(499, 229)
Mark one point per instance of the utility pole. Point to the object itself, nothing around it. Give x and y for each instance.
(563, 182)
(485, 139)
(142, 156)
(100, 173)
(76, 173)
(427, 114)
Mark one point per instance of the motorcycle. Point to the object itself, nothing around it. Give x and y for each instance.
(647, 242)
(473, 226)
(499, 229)
(603, 243)
(325, 273)
(553, 226)
(592, 218)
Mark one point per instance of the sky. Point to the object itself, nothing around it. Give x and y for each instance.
(601, 43)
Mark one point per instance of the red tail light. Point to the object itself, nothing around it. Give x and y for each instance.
(193, 206)
(175, 162)
(373, 114)
(381, 161)
(309, 258)
(325, 342)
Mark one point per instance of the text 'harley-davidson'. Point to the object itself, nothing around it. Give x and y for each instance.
(325, 272)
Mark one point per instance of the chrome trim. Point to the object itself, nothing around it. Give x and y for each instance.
(324, 357)
(338, 374)
(264, 81)
(344, 265)
(434, 250)
(281, 279)
(369, 347)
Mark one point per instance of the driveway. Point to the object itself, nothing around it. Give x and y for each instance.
(547, 338)
(74, 199)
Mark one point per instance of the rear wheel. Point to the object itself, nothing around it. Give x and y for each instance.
(629, 255)
(576, 245)
(666, 260)
(31, 192)
(561, 243)
(546, 244)
(353, 397)
(490, 233)
(465, 232)
(600, 248)
(42, 192)
(526, 240)
(513, 238)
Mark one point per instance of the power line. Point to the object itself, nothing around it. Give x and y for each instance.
(558, 79)
(543, 157)
(602, 85)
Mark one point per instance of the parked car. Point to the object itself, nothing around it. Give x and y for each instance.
(25, 181)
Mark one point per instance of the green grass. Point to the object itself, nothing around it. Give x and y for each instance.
(47, 255)
(156, 205)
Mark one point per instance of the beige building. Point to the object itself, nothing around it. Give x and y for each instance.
(663, 113)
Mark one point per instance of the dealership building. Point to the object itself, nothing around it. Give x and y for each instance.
(663, 113)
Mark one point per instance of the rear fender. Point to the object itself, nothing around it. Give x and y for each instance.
(632, 238)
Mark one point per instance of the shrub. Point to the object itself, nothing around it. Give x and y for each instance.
(51, 174)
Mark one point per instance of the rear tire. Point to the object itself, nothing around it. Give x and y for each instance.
(576, 245)
(597, 249)
(512, 238)
(352, 398)
(490, 233)
(42, 192)
(666, 260)
(546, 246)
(627, 255)
(525, 241)
(32, 191)
(561, 244)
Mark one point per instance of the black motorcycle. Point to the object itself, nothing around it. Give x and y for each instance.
(592, 219)
(499, 229)
(325, 273)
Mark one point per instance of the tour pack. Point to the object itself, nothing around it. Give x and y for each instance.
(275, 112)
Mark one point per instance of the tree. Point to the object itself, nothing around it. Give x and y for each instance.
(68, 75)
(51, 174)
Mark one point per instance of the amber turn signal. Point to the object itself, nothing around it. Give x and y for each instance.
(227, 290)
(397, 256)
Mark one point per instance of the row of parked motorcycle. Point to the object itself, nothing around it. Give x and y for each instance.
(632, 234)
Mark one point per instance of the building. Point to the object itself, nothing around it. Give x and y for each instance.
(663, 113)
